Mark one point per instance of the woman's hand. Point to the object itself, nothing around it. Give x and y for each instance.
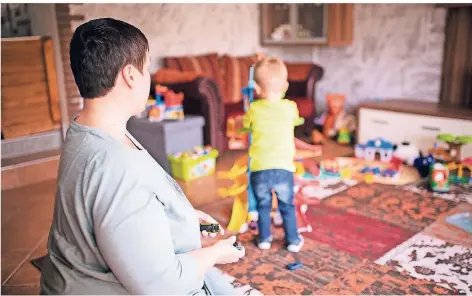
(226, 252)
(203, 217)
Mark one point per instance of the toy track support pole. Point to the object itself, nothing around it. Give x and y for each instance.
(248, 93)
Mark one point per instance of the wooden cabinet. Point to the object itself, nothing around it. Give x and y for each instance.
(307, 24)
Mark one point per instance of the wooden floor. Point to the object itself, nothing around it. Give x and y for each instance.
(27, 215)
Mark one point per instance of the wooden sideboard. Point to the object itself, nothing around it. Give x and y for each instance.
(414, 121)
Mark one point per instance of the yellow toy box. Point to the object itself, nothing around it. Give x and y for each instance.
(191, 165)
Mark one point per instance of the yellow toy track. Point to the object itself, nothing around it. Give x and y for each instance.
(238, 190)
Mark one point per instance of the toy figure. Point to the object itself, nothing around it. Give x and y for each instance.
(343, 136)
(407, 152)
(439, 178)
(335, 107)
(422, 164)
(345, 121)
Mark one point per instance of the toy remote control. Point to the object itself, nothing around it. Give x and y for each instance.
(238, 246)
(210, 227)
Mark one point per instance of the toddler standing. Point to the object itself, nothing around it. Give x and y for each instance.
(272, 119)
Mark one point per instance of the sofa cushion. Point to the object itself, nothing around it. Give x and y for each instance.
(305, 106)
(173, 76)
(235, 72)
(207, 65)
(298, 71)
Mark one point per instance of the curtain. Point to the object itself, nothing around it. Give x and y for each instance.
(456, 84)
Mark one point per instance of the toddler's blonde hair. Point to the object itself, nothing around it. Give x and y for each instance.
(270, 75)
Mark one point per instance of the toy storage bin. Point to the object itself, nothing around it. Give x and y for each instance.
(168, 136)
(189, 168)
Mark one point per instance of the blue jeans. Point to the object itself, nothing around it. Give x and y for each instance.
(281, 181)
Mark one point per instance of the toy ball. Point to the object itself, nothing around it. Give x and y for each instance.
(346, 173)
(369, 178)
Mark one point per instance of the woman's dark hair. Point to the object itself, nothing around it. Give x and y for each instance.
(99, 49)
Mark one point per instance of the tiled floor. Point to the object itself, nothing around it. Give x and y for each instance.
(26, 218)
(27, 215)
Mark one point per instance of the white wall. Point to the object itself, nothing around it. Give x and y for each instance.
(396, 53)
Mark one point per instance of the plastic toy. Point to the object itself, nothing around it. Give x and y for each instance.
(302, 199)
(467, 161)
(422, 164)
(373, 149)
(244, 200)
(439, 178)
(335, 107)
(346, 173)
(191, 165)
(174, 108)
(343, 136)
(168, 105)
(455, 144)
(457, 173)
(295, 265)
(236, 140)
(406, 152)
(238, 245)
(210, 227)
(160, 90)
(330, 168)
(391, 171)
(157, 111)
(369, 178)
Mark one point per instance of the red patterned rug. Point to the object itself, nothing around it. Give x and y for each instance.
(351, 229)
(393, 205)
(373, 279)
(360, 236)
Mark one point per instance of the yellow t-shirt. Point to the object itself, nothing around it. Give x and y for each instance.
(272, 126)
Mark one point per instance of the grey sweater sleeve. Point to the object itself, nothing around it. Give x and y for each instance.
(133, 234)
